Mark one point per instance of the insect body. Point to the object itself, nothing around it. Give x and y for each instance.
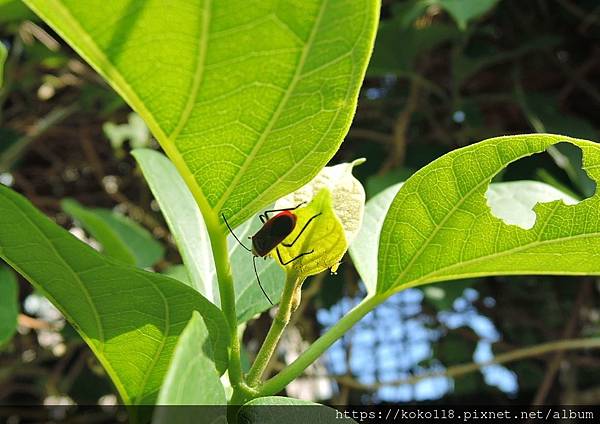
(274, 231)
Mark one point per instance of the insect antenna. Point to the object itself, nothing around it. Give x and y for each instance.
(258, 280)
(233, 234)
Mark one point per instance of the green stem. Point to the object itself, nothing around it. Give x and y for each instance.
(296, 368)
(218, 241)
(277, 327)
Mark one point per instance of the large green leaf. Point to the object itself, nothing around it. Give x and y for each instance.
(248, 99)
(130, 318)
(120, 237)
(439, 226)
(192, 379)
(9, 304)
(279, 409)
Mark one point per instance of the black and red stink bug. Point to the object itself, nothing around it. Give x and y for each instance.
(275, 229)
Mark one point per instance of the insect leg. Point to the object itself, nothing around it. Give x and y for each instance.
(293, 259)
(301, 231)
(258, 281)
(232, 233)
(266, 213)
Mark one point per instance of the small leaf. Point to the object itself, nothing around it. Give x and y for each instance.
(439, 227)
(323, 237)
(121, 238)
(9, 304)
(183, 218)
(347, 193)
(364, 248)
(130, 318)
(192, 379)
(278, 409)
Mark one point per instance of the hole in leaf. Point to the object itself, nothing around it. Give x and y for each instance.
(555, 174)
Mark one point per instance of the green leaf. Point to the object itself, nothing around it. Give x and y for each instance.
(347, 195)
(192, 379)
(120, 237)
(9, 304)
(464, 11)
(179, 273)
(439, 226)
(183, 218)
(130, 318)
(363, 250)
(249, 100)
(3, 56)
(279, 409)
(319, 231)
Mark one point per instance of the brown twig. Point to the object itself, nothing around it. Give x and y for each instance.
(568, 332)
(401, 125)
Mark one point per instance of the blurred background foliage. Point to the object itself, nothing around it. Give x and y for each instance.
(444, 74)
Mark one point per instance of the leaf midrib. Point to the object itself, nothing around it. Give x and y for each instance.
(427, 277)
(167, 328)
(197, 80)
(437, 229)
(274, 118)
(74, 274)
(122, 87)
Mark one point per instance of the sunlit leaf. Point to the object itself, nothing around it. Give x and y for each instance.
(130, 318)
(248, 99)
(347, 194)
(439, 226)
(318, 240)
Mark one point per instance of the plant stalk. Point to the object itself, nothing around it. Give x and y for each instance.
(286, 307)
(311, 354)
(218, 241)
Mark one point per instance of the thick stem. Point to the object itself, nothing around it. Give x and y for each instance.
(286, 306)
(218, 241)
(296, 368)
